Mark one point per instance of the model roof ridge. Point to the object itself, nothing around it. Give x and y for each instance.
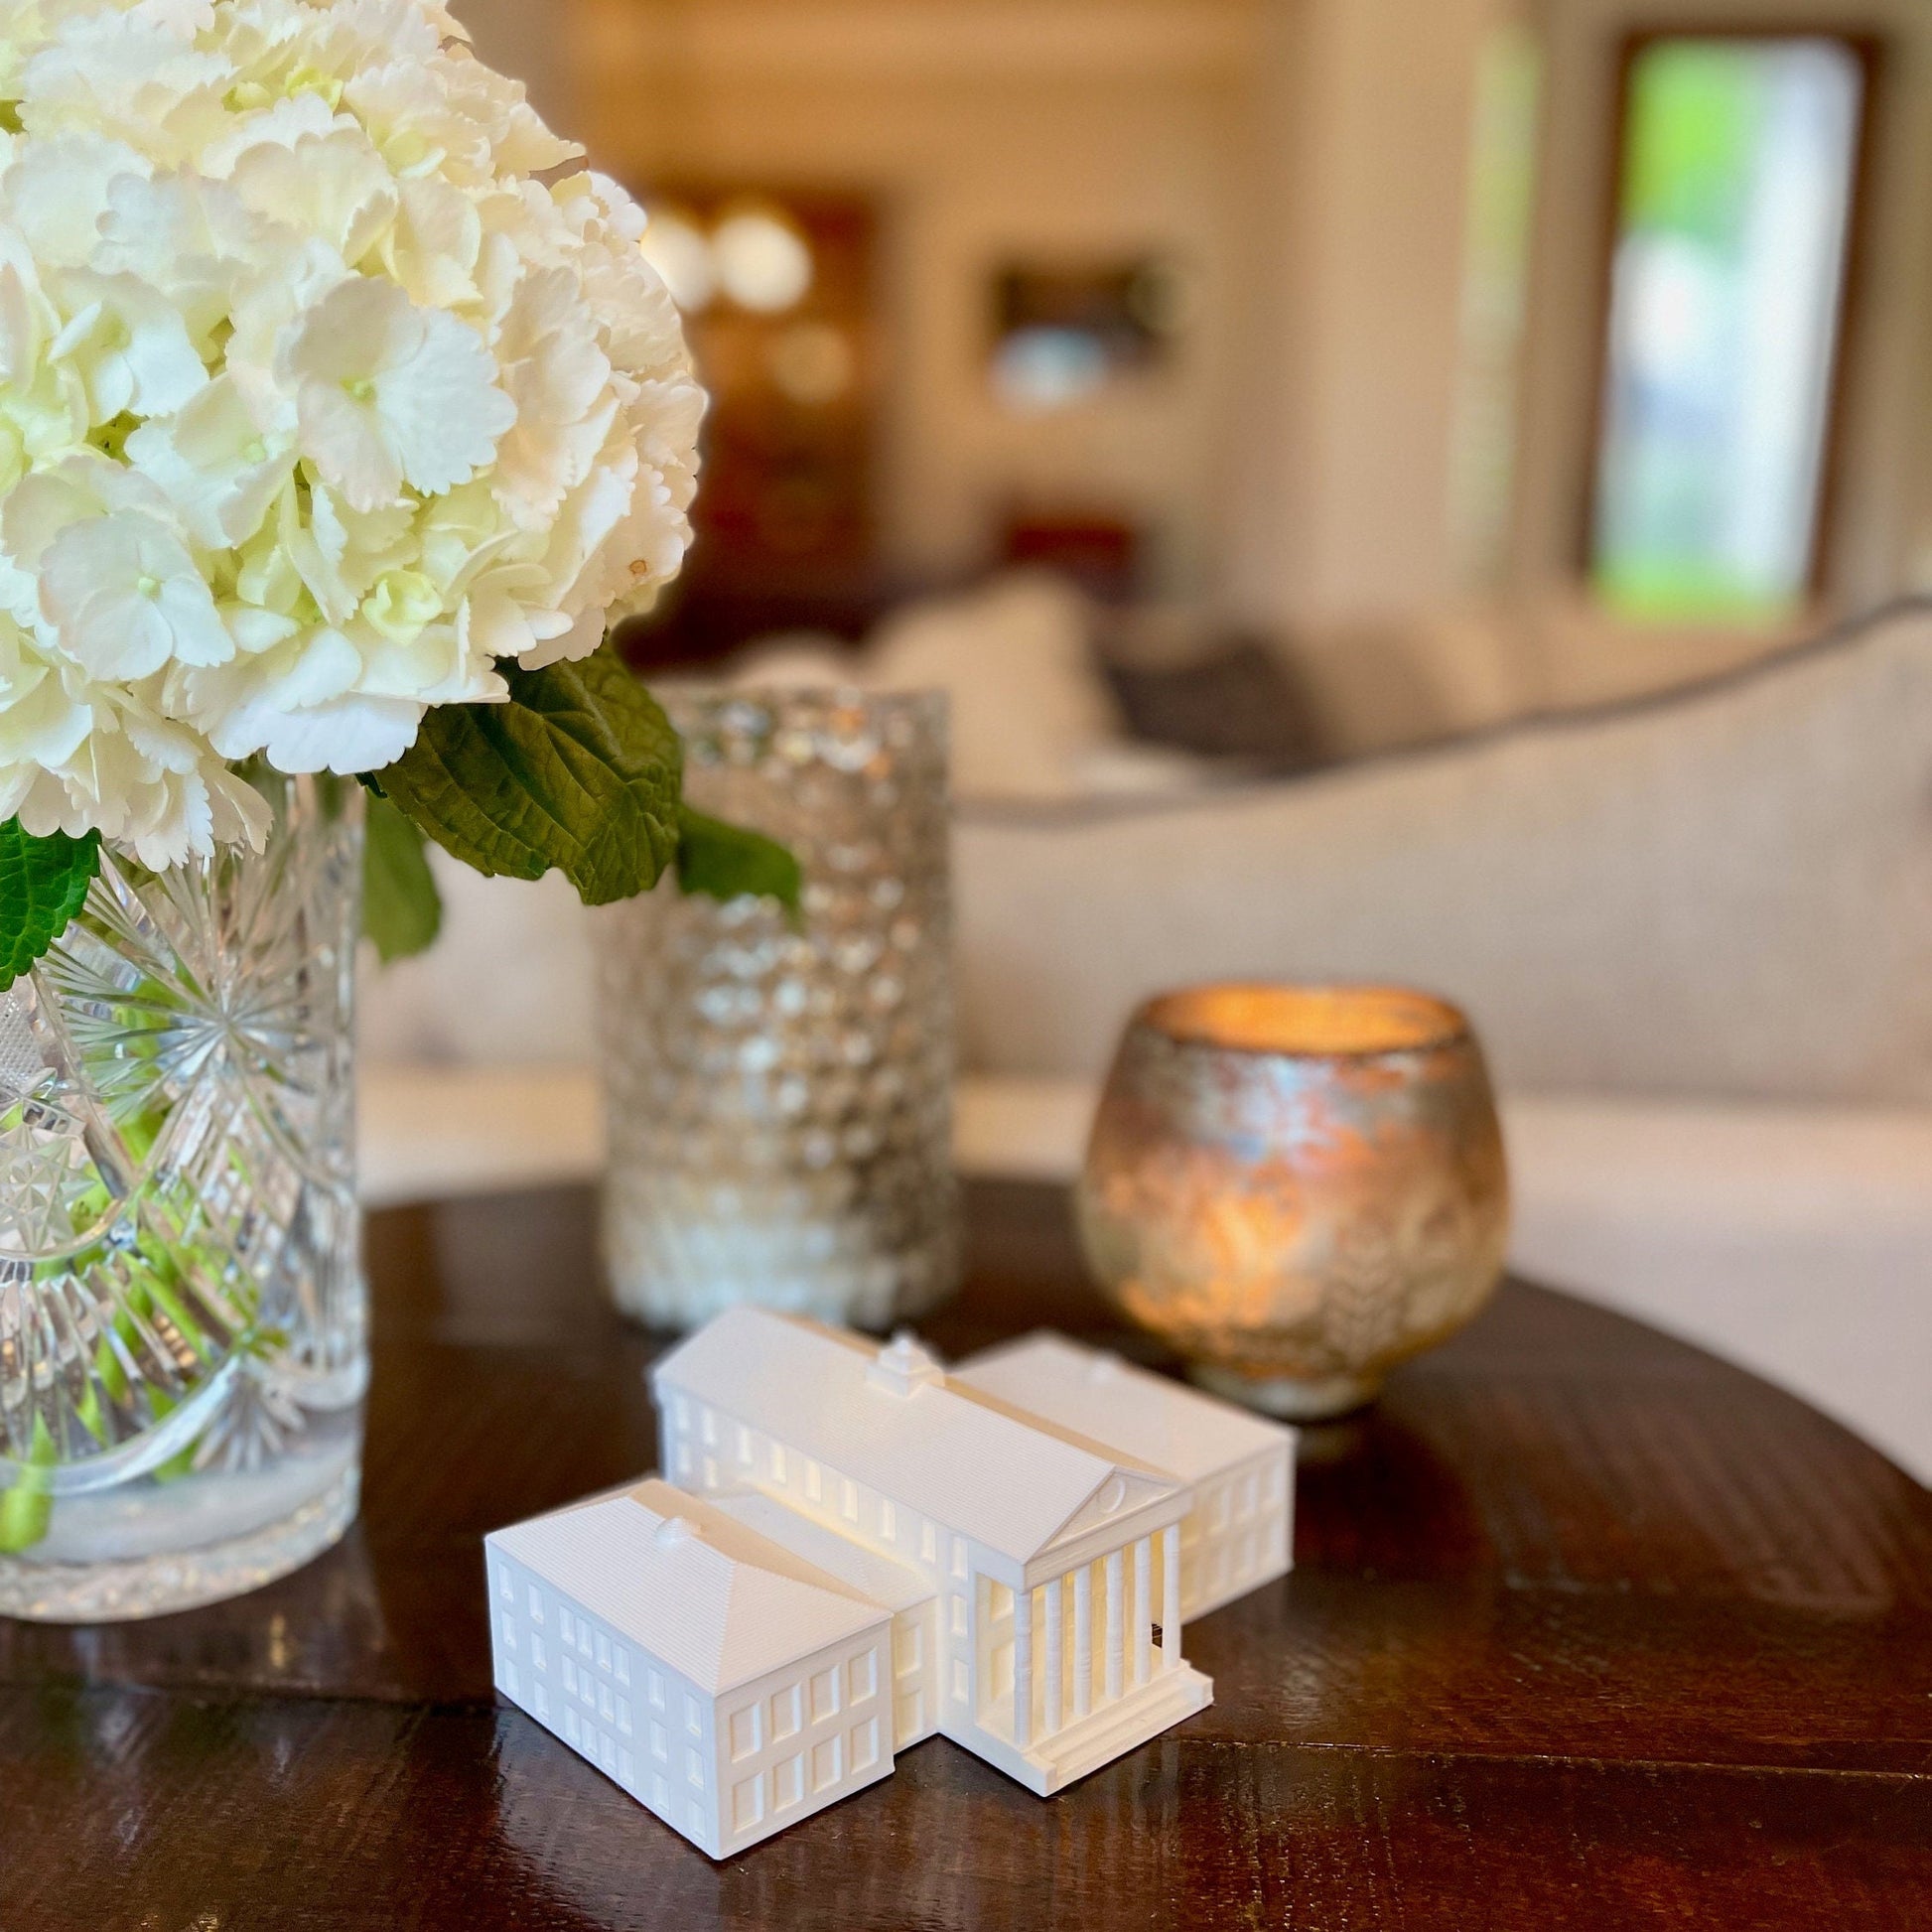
(1009, 1478)
(1111, 1454)
(739, 1543)
(947, 1384)
(875, 1571)
(1180, 1429)
(721, 1606)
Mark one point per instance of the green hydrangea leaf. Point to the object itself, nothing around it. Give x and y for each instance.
(581, 771)
(729, 861)
(43, 884)
(402, 912)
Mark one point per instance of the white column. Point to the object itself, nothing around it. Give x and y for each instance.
(1170, 1597)
(1022, 1667)
(1341, 503)
(1112, 1661)
(1083, 1640)
(1053, 1699)
(1143, 1607)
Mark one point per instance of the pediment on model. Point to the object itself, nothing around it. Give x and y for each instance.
(1120, 1497)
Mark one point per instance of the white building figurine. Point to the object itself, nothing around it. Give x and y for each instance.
(863, 1550)
(1240, 1532)
(728, 1686)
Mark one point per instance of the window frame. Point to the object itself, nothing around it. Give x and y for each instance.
(1871, 50)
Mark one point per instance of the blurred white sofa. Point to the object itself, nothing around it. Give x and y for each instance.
(1696, 934)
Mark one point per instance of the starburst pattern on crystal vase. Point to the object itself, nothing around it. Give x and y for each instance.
(175, 1165)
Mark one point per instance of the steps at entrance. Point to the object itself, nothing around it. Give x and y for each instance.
(1102, 1735)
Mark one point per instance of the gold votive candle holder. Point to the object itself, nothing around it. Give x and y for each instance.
(1297, 1188)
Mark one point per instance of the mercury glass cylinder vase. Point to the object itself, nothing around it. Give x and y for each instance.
(182, 1329)
(1297, 1188)
(778, 1090)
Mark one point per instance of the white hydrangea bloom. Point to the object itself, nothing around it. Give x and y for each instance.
(316, 405)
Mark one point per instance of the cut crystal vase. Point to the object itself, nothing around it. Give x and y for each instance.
(182, 1327)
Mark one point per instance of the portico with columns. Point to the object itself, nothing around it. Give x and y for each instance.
(1066, 1665)
(1038, 1544)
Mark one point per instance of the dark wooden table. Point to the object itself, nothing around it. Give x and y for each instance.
(1586, 1629)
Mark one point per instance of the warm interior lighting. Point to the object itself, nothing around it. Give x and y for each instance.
(1317, 1021)
(813, 364)
(675, 246)
(764, 263)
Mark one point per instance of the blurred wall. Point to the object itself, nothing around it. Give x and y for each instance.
(992, 131)
(527, 37)
(1361, 135)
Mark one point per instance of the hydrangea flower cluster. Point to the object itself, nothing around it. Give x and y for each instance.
(325, 389)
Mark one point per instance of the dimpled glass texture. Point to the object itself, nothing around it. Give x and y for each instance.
(183, 1334)
(779, 1092)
